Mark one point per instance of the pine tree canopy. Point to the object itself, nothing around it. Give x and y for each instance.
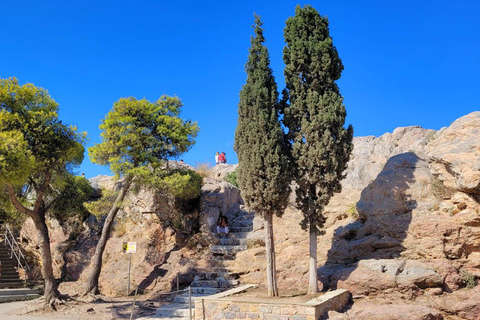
(137, 135)
(263, 174)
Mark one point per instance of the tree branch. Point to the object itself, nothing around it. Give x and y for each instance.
(13, 198)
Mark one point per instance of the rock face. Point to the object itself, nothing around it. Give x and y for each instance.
(406, 225)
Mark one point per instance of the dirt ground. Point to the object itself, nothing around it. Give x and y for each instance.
(76, 309)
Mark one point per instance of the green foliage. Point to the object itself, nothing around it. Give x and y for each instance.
(468, 279)
(102, 206)
(314, 113)
(263, 174)
(231, 177)
(352, 211)
(32, 139)
(139, 133)
(182, 184)
(75, 193)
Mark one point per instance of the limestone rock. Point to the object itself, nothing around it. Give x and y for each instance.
(373, 276)
(372, 311)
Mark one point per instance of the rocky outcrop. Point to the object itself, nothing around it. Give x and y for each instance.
(406, 224)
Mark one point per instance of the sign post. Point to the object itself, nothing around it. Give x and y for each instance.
(129, 247)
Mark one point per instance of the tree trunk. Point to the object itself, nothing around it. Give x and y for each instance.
(313, 278)
(51, 293)
(92, 282)
(270, 254)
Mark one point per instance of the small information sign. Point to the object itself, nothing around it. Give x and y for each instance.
(129, 247)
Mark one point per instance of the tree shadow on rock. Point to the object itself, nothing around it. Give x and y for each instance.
(384, 211)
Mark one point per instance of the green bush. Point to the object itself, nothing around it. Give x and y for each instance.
(468, 279)
(183, 184)
(231, 177)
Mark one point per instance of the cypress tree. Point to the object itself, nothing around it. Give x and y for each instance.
(315, 118)
(263, 174)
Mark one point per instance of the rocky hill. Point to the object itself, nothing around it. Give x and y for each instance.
(405, 230)
(403, 235)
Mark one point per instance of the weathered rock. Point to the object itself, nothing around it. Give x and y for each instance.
(373, 276)
(372, 311)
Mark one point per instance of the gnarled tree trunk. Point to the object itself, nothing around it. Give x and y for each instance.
(92, 282)
(51, 293)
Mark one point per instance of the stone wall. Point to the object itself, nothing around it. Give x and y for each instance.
(225, 308)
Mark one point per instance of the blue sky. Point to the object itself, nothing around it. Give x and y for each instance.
(406, 62)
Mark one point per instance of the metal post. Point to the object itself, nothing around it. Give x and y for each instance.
(178, 285)
(190, 302)
(133, 307)
(129, 262)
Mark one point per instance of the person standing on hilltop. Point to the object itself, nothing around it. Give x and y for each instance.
(216, 158)
(222, 158)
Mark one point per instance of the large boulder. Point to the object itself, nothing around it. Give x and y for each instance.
(369, 277)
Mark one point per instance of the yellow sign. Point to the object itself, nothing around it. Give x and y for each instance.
(129, 247)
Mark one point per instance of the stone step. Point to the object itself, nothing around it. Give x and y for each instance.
(239, 235)
(244, 216)
(225, 249)
(13, 292)
(18, 297)
(214, 275)
(224, 283)
(223, 257)
(8, 270)
(175, 310)
(7, 279)
(204, 290)
(184, 299)
(233, 241)
(241, 223)
(11, 285)
(205, 283)
(241, 229)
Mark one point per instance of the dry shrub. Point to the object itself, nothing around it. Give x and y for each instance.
(203, 169)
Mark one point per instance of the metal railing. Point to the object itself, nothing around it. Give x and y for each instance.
(15, 251)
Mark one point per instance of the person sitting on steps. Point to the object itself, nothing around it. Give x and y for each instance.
(222, 227)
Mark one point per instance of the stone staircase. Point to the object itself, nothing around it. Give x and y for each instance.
(218, 278)
(12, 288)
(8, 270)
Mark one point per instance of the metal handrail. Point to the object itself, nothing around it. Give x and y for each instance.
(15, 250)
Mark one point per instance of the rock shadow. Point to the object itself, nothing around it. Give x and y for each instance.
(384, 215)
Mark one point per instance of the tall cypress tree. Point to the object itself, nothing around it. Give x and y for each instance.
(263, 174)
(315, 118)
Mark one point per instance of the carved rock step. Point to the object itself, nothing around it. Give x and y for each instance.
(205, 290)
(244, 217)
(7, 295)
(233, 241)
(239, 235)
(215, 275)
(173, 310)
(241, 229)
(241, 223)
(226, 249)
(205, 283)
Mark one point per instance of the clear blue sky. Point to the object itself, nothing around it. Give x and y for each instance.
(406, 62)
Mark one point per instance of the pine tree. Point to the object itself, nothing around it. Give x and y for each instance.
(315, 118)
(263, 174)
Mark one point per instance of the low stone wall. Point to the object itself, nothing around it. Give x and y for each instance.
(218, 308)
